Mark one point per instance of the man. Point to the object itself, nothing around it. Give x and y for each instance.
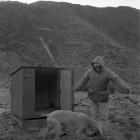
(96, 82)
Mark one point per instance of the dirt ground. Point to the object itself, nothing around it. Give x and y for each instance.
(124, 118)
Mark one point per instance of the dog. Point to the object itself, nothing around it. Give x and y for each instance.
(61, 120)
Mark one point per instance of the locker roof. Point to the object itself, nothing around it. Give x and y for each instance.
(26, 67)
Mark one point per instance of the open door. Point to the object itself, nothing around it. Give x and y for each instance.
(66, 93)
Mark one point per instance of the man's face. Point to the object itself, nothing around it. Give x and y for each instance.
(97, 67)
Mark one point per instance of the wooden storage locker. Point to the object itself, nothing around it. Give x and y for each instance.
(39, 90)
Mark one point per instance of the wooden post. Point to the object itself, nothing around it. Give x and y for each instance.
(48, 51)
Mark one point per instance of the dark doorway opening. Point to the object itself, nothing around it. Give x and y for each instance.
(47, 89)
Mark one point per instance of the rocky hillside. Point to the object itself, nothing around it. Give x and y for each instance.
(75, 34)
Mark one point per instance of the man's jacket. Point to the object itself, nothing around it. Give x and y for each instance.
(97, 83)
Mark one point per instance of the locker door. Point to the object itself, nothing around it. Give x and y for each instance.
(28, 93)
(66, 94)
(16, 94)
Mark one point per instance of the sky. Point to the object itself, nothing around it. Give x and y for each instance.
(96, 3)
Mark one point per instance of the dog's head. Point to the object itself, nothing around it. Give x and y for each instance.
(92, 132)
(97, 127)
(48, 129)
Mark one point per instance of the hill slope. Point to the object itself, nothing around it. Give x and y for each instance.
(75, 35)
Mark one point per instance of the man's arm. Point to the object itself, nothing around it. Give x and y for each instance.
(119, 82)
(79, 86)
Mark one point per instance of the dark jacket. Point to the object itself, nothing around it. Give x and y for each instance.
(93, 81)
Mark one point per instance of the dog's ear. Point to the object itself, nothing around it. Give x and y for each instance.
(44, 115)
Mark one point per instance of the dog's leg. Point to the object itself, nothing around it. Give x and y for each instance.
(81, 134)
(43, 133)
(57, 129)
(53, 128)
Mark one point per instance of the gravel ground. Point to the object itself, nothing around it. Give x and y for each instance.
(124, 118)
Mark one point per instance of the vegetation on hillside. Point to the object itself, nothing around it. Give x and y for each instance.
(75, 34)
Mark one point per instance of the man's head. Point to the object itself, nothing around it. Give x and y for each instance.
(98, 64)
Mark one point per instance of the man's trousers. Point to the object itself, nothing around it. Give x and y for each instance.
(99, 111)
